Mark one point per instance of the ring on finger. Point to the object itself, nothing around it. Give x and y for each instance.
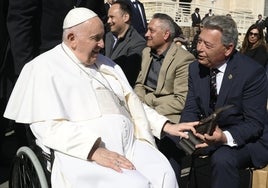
(117, 163)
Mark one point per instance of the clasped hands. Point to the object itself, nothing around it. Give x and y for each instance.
(214, 138)
(217, 137)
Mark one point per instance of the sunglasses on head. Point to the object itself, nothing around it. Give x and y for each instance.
(254, 34)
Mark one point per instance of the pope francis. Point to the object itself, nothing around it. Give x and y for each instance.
(79, 103)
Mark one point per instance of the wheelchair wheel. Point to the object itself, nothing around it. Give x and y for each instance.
(27, 171)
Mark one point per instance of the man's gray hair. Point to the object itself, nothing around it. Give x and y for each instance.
(167, 23)
(226, 25)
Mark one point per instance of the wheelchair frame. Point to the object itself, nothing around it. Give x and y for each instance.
(27, 171)
(32, 164)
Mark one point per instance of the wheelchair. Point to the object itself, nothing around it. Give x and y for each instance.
(31, 167)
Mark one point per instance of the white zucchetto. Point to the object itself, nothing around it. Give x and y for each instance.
(77, 16)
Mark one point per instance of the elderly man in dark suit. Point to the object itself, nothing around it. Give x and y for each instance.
(123, 43)
(240, 139)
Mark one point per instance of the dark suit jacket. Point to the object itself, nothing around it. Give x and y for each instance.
(195, 20)
(4, 40)
(127, 52)
(261, 23)
(35, 26)
(137, 20)
(207, 14)
(244, 85)
(259, 54)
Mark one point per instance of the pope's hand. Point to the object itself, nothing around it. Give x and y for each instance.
(180, 129)
(111, 159)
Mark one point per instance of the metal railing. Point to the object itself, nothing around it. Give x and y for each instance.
(181, 13)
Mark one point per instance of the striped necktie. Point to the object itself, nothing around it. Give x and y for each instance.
(213, 88)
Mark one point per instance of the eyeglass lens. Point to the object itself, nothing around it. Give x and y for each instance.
(254, 34)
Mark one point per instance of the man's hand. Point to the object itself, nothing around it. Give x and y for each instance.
(111, 159)
(218, 137)
(180, 129)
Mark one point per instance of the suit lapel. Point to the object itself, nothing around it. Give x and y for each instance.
(120, 47)
(227, 81)
(114, 53)
(204, 88)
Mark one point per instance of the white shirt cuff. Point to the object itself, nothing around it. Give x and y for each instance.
(230, 140)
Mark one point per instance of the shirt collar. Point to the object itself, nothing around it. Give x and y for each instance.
(159, 57)
(156, 56)
(222, 67)
(123, 37)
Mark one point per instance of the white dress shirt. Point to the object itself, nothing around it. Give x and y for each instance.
(219, 78)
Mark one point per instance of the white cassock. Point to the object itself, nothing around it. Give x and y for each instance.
(70, 107)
